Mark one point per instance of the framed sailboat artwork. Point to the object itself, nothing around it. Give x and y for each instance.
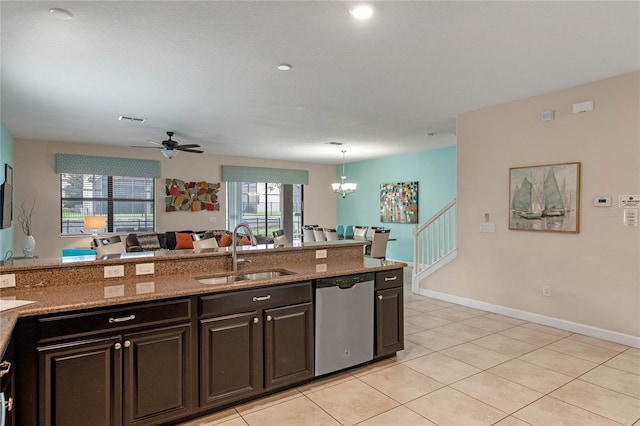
(545, 198)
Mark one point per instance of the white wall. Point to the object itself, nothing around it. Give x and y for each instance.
(595, 275)
(35, 176)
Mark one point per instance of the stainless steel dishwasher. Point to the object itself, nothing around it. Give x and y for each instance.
(344, 322)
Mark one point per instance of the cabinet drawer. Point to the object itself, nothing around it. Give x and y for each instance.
(389, 279)
(114, 319)
(265, 297)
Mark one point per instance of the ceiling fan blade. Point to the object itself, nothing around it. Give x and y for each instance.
(197, 151)
(190, 145)
(152, 147)
(154, 142)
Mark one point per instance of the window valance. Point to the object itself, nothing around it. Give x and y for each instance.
(264, 174)
(107, 166)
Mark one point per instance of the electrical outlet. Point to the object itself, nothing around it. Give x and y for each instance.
(212, 219)
(321, 254)
(7, 280)
(546, 290)
(144, 268)
(321, 267)
(114, 271)
(113, 291)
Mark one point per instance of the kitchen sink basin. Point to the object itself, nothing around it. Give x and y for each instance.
(224, 279)
(266, 275)
(244, 276)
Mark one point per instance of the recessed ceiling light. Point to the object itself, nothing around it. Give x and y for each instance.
(284, 67)
(60, 13)
(362, 11)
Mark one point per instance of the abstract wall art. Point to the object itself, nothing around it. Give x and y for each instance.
(399, 202)
(191, 196)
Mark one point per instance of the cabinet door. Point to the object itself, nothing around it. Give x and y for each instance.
(230, 358)
(389, 321)
(157, 374)
(288, 344)
(80, 383)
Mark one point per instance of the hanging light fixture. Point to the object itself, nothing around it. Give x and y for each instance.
(169, 153)
(343, 188)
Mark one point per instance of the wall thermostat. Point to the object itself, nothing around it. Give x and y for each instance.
(602, 201)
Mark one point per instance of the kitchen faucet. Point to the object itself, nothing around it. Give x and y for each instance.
(234, 247)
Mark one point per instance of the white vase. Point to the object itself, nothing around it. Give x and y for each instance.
(28, 245)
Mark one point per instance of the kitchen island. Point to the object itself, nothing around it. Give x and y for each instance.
(211, 345)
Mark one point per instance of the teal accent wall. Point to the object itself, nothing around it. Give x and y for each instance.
(6, 157)
(435, 172)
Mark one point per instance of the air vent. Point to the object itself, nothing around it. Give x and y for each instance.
(132, 119)
(335, 143)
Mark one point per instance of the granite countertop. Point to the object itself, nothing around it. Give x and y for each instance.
(147, 288)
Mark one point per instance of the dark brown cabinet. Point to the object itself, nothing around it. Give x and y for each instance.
(268, 345)
(133, 378)
(389, 313)
(7, 384)
(230, 358)
(288, 345)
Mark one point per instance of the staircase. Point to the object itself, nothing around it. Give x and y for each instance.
(434, 243)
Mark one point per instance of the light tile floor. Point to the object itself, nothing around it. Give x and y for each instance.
(465, 367)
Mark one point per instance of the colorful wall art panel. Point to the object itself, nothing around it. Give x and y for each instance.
(191, 196)
(399, 202)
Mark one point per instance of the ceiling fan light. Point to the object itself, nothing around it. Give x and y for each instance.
(169, 153)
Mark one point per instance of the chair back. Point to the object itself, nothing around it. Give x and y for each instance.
(318, 234)
(278, 232)
(114, 248)
(379, 241)
(348, 232)
(331, 234)
(208, 243)
(307, 234)
(340, 230)
(280, 241)
(360, 232)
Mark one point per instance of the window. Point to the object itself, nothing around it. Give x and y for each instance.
(266, 207)
(126, 202)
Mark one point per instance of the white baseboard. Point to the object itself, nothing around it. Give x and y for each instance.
(587, 330)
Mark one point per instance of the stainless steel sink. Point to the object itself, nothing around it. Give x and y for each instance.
(224, 279)
(244, 276)
(266, 275)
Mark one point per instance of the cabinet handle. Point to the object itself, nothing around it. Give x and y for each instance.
(122, 319)
(5, 367)
(261, 298)
(269, 318)
(127, 343)
(380, 297)
(256, 320)
(391, 278)
(9, 404)
(117, 346)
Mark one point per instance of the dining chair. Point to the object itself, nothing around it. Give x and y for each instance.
(331, 234)
(378, 246)
(340, 231)
(318, 234)
(360, 232)
(307, 234)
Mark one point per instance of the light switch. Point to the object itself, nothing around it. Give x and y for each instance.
(487, 227)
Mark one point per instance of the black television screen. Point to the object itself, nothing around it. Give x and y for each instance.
(6, 204)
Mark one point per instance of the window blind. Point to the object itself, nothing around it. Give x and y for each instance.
(264, 174)
(107, 166)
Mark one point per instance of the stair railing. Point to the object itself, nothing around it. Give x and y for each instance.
(434, 239)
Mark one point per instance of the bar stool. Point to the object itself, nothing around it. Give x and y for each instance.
(318, 234)
(307, 234)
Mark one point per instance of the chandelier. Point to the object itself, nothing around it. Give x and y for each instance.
(343, 188)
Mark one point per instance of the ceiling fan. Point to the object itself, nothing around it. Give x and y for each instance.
(170, 147)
